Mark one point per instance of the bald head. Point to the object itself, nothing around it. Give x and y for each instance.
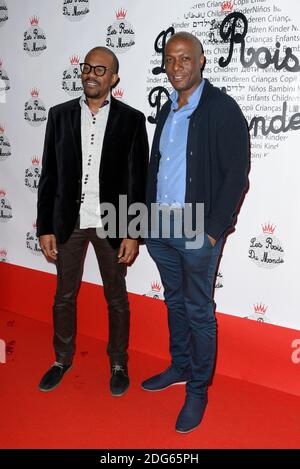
(184, 61)
(106, 50)
(185, 36)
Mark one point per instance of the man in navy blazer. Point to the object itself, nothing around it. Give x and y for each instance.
(199, 157)
(95, 151)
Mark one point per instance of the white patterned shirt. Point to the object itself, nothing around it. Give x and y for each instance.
(92, 134)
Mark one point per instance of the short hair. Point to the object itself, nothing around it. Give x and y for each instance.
(188, 37)
(109, 52)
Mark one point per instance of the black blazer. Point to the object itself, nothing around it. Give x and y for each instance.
(217, 159)
(123, 166)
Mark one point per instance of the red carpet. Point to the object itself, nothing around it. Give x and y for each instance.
(248, 350)
(80, 413)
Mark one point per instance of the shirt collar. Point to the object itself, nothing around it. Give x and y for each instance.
(193, 100)
(83, 103)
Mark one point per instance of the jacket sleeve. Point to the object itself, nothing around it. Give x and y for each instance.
(138, 164)
(48, 182)
(233, 158)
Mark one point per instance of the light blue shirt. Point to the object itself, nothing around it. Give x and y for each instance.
(171, 178)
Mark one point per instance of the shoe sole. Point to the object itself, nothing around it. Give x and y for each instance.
(187, 431)
(51, 389)
(119, 395)
(166, 387)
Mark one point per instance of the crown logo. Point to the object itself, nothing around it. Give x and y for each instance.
(227, 6)
(34, 21)
(2, 128)
(74, 60)
(3, 252)
(121, 14)
(155, 286)
(35, 161)
(268, 228)
(260, 308)
(2, 193)
(34, 93)
(118, 93)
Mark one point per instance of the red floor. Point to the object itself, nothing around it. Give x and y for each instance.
(80, 413)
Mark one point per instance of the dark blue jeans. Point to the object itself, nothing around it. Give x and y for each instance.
(188, 277)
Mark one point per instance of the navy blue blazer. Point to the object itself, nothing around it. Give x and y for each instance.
(217, 159)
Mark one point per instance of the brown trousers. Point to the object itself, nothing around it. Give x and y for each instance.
(70, 262)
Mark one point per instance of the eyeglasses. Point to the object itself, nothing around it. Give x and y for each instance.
(99, 70)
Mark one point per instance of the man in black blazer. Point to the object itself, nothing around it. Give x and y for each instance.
(199, 159)
(95, 150)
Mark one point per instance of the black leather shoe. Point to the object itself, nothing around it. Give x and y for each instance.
(119, 381)
(53, 377)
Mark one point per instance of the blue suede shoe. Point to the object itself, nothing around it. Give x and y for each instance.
(167, 378)
(191, 414)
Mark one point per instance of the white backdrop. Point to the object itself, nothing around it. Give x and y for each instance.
(41, 43)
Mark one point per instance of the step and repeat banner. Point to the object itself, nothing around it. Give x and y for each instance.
(252, 50)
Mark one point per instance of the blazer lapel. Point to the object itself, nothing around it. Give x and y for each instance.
(111, 132)
(76, 131)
